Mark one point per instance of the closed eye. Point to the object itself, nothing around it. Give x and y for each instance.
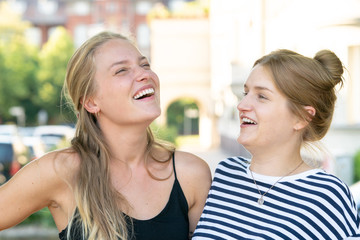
(261, 96)
(121, 70)
(145, 65)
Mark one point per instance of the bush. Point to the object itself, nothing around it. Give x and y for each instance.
(165, 133)
(357, 166)
(41, 218)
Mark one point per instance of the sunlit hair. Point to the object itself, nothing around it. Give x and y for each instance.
(307, 82)
(98, 203)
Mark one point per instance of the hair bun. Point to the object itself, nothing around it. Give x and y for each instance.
(332, 64)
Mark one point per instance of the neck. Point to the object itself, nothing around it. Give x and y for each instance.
(126, 143)
(277, 163)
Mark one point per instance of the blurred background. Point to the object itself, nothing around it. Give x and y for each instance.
(202, 51)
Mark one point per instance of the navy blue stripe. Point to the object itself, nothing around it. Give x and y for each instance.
(233, 177)
(241, 194)
(320, 205)
(295, 195)
(238, 166)
(201, 234)
(270, 195)
(269, 213)
(243, 185)
(340, 209)
(241, 221)
(225, 224)
(339, 183)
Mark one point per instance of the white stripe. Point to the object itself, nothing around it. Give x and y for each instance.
(260, 210)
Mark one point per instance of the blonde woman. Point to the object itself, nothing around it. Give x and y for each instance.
(115, 181)
(288, 102)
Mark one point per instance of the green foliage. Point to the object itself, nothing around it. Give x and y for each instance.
(10, 23)
(42, 218)
(30, 77)
(53, 60)
(18, 66)
(192, 9)
(176, 116)
(357, 166)
(164, 132)
(188, 140)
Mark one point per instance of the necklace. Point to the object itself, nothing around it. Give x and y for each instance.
(261, 198)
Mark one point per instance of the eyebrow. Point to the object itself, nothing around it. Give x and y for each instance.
(126, 61)
(260, 88)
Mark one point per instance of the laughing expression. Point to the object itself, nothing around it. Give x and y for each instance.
(127, 89)
(265, 118)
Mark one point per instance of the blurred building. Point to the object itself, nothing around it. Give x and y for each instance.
(84, 18)
(181, 56)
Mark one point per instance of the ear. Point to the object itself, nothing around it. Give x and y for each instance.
(302, 123)
(90, 105)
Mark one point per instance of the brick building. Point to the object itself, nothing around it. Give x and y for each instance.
(83, 18)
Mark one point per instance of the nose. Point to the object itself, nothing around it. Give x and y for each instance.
(244, 105)
(141, 74)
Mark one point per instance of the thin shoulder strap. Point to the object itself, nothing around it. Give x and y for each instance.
(173, 158)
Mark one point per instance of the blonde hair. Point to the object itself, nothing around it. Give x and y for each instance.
(98, 211)
(307, 82)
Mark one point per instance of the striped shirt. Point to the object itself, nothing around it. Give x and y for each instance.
(309, 205)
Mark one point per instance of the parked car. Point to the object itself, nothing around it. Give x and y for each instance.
(8, 129)
(13, 156)
(35, 145)
(26, 131)
(53, 135)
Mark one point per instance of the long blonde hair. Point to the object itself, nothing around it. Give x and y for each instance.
(96, 199)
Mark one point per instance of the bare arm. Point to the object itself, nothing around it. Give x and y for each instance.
(195, 179)
(30, 190)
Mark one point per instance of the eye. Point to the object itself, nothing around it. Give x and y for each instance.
(121, 70)
(145, 65)
(261, 96)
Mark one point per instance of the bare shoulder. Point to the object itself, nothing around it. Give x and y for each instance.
(64, 162)
(67, 162)
(191, 166)
(185, 158)
(194, 176)
(41, 183)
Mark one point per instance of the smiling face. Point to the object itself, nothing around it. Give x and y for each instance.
(265, 118)
(127, 90)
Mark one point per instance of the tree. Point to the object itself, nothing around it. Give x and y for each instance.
(176, 116)
(10, 23)
(53, 60)
(18, 65)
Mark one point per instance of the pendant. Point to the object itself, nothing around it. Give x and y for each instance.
(261, 201)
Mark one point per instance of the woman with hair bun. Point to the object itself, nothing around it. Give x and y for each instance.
(116, 181)
(288, 103)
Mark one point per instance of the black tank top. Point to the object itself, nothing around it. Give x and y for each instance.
(172, 223)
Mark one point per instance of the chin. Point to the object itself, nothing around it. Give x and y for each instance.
(240, 140)
(154, 114)
(243, 142)
(158, 112)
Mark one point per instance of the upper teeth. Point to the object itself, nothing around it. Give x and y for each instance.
(144, 92)
(247, 120)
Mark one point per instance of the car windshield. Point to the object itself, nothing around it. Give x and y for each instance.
(51, 140)
(6, 152)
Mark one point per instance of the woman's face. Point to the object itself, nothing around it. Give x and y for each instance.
(127, 90)
(265, 118)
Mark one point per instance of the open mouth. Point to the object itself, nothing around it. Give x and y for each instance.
(248, 121)
(144, 94)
